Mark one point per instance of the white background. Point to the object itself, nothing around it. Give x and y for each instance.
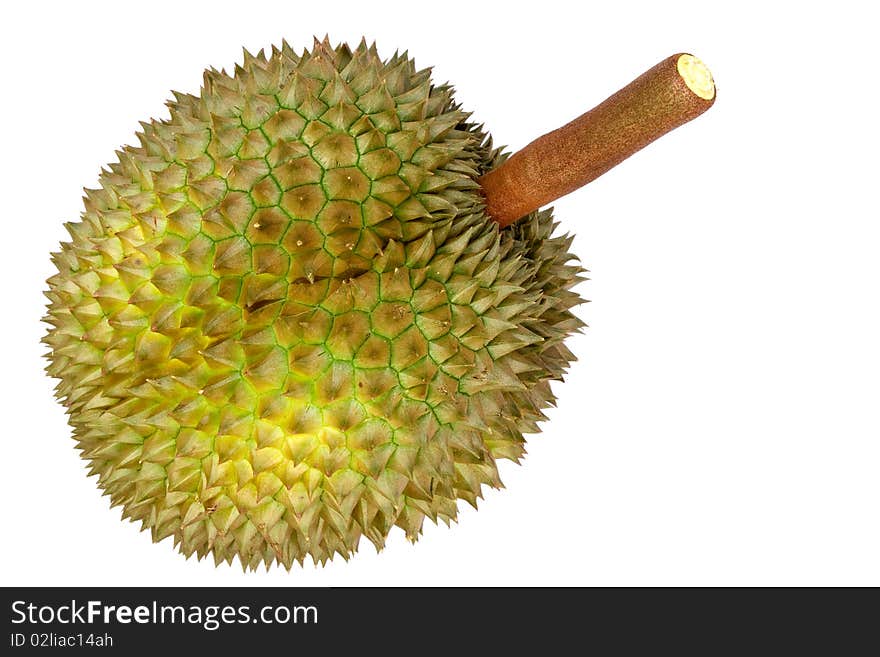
(721, 425)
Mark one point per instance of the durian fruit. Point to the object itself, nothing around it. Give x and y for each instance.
(285, 320)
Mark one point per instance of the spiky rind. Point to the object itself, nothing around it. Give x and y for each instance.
(284, 321)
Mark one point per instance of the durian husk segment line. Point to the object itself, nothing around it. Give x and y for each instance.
(673, 92)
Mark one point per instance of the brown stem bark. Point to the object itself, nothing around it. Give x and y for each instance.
(561, 161)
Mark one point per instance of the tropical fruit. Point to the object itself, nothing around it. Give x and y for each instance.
(285, 321)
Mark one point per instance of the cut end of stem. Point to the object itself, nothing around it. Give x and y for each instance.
(696, 76)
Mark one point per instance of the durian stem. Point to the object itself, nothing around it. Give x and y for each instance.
(670, 94)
